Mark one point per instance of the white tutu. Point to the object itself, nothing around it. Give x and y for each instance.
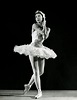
(42, 52)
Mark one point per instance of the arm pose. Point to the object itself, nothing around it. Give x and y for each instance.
(46, 31)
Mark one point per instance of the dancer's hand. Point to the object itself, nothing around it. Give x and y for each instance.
(48, 29)
(44, 25)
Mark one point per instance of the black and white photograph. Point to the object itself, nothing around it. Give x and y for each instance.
(38, 51)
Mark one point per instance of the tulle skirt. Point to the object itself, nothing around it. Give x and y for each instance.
(29, 49)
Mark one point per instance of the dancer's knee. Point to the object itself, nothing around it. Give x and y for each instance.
(36, 73)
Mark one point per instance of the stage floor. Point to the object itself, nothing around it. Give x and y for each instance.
(47, 95)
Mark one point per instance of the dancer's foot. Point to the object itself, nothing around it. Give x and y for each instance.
(27, 88)
(38, 95)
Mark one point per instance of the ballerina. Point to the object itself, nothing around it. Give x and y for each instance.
(37, 52)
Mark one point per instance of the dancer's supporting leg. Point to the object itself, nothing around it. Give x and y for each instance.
(41, 64)
(37, 74)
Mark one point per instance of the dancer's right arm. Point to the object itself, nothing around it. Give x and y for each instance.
(33, 27)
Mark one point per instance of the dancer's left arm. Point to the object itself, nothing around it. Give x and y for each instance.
(47, 32)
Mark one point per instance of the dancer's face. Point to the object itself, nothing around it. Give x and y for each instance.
(38, 18)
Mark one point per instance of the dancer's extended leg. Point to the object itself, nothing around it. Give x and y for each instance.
(32, 80)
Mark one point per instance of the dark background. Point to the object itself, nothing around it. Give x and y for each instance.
(17, 20)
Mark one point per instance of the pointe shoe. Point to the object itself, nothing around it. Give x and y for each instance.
(38, 95)
(27, 88)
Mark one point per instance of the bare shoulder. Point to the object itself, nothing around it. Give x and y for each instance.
(34, 26)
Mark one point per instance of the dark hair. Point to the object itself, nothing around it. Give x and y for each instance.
(41, 13)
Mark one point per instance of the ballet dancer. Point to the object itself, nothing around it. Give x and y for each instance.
(37, 52)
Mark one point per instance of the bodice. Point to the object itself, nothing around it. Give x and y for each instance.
(37, 37)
